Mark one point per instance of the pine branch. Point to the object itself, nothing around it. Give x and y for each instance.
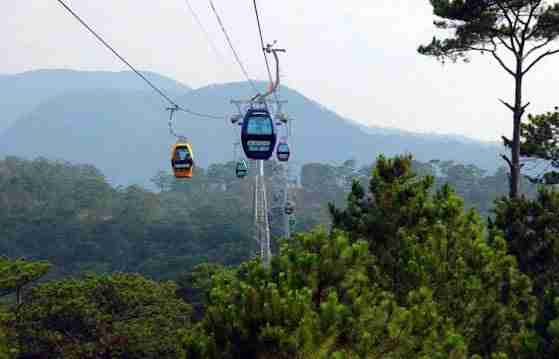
(510, 107)
(503, 42)
(539, 58)
(508, 161)
(537, 47)
(502, 63)
(511, 25)
(524, 107)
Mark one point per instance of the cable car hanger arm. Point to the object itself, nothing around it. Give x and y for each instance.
(274, 85)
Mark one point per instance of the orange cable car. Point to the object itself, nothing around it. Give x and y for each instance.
(182, 159)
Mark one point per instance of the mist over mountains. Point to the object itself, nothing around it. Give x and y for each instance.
(22, 92)
(113, 121)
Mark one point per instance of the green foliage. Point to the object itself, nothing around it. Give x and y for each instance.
(406, 271)
(118, 316)
(195, 285)
(319, 298)
(422, 240)
(16, 274)
(552, 330)
(478, 190)
(532, 232)
(71, 216)
(4, 351)
(523, 28)
(540, 141)
(483, 24)
(8, 342)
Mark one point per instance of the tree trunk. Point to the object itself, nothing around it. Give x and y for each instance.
(18, 295)
(515, 146)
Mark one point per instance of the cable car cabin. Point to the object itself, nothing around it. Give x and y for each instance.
(258, 135)
(182, 160)
(283, 152)
(289, 208)
(242, 169)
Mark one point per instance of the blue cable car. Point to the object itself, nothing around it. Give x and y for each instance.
(258, 135)
(282, 152)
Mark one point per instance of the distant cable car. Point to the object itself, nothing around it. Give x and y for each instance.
(258, 135)
(289, 208)
(282, 152)
(182, 159)
(292, 223)
(241, 169)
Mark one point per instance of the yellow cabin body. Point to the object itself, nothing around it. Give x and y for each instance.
(182, 160)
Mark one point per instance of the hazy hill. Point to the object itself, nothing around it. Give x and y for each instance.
(124, 131)
(22, 92)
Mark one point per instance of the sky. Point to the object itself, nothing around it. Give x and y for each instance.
(356, 57)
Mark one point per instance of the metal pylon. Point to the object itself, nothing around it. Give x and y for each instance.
(280, 199)
(261, 221)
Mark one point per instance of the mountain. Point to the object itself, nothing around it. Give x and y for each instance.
(321, 135)
(124, 132)
(22, 92)
(375, 130)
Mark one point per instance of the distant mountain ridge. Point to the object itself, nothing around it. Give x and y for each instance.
(21, 92)
(122, 129)
(443, 136)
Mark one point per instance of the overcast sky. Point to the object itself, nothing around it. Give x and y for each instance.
(357, 57)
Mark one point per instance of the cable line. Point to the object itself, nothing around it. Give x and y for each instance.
(206, 34)
(237, 58)
(262, 41)
(121, 58)
(260, 32)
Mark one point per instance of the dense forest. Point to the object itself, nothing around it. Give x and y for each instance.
(70, 216)
(401, 264)
(398, 258)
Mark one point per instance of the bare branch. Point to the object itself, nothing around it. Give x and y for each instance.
(509, 162)
(534, 30)
(510, 107)
(509, 20)
(527, 25)
(480, 49)
(502, 63)
(516, 18)
(539, 58)
(537, 47)
(503, 42)
(494, 53)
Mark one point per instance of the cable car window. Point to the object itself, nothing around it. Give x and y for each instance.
(182, 154)
(259, 125)
(259, 146)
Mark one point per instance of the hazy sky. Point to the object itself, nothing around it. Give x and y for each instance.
(357, 57)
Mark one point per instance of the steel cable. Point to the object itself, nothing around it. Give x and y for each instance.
(142, 76)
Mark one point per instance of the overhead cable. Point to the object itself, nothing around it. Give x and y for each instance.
(205, 32)
(262, 41)
(264, 50)
(142, 76)
(237, 58)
